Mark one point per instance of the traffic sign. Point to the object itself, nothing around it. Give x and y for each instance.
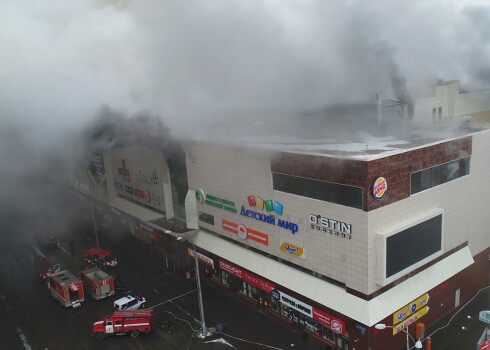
(485, 316)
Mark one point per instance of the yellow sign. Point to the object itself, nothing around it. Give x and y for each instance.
(409, 309)
(293, 249)
(416, 316)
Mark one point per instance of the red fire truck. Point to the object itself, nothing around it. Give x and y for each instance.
(45, 268)
(98, 283)
(66, 288)
(99, 257)
(132, 322)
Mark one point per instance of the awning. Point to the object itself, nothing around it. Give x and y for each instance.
(135, 210)
(332, 296)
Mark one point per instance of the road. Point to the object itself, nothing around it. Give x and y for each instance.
(32, 320)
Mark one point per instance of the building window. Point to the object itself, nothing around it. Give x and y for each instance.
(325, 191)
(224, 277)
(439, 113)
(439, 174)
(400, 252)
(328, 334)
(434, 115)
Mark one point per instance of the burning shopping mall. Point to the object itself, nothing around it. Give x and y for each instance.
(329, 237)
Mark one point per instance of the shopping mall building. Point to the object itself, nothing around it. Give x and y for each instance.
(328, 239)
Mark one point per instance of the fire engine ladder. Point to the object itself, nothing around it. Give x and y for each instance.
(138, 312)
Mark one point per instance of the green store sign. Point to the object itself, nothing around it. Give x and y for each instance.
(216, 202)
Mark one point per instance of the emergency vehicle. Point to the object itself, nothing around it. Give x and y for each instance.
(130, 302)
(66, 288)
(97, 283)
(99, 257)
(132, 322)
(45, 268)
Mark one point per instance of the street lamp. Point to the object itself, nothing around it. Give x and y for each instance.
(204, 330)
(418, 344)
(93, 221)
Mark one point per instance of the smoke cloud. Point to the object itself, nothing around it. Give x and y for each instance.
(189, 62)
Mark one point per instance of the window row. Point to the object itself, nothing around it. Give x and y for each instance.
(439, 174)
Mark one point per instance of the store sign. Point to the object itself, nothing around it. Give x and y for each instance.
(293, 250)
(245, 232)
(411, 308)
(207, 218)
(295, 304)
(123, 172)
(202, 258)
(153, 198)
(485, 345)
(247, 277)
(275, 294)
(128, 189)
(269, 206)
(216, 202)
(118, 186)
(335, 324)
(380, 186)
(331, 226)
(200, 196)
(151, 179)
(412, 319)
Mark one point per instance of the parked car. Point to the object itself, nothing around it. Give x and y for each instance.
(130, 302)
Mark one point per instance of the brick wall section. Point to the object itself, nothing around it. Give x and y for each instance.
(395, 169)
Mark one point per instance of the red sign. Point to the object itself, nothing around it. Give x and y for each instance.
(335, 324)
(485, 345)
(247, 277)
(441, 287)
(245, 232)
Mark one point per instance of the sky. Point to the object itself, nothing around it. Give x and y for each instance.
(188, 61)
(193, 62)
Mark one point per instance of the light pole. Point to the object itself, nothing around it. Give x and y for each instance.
(93, 221)
(418, 344)
(204, 330)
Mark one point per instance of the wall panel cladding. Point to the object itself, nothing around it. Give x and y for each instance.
(395, 169)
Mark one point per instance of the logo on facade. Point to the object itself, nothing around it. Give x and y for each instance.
(334, 227)
(245, 232)
(380, 187)
(139, 193)
(270, 207)
(148, 179)
(293, 249)
(410, 309)
(123, 172)
(336, 326)
(152, 198)
(200, 196)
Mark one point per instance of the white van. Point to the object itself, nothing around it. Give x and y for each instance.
(130, 302)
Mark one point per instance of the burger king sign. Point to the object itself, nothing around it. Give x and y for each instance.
(380, 187)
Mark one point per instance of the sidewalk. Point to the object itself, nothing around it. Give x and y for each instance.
(453, 336)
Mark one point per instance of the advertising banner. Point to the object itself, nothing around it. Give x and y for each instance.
(246, 276)
(412, 319)
(411, 308)
(203, 258)
(335, 324)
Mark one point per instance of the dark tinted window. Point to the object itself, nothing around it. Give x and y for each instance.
(325, 191)
(437, 175)
(413, 244)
